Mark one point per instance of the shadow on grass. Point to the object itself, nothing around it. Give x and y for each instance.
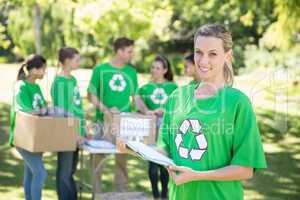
(281, 180)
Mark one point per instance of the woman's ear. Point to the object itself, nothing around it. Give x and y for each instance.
(228, 56)
(165, 70)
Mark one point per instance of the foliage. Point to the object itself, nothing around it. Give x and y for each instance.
(157, 26)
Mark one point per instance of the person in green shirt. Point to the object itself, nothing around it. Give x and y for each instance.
(111, 88)
(67, 102)
(154, 95)
(28, 98)
(210, 129)
(189, 68)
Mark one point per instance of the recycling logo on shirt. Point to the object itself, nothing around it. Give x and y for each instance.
(193, 153)
(159, 96)
(37, 102)
(117, 83)
(76, 96)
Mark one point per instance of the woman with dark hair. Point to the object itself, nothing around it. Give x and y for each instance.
(189, 68)
(154, 95)
(28, 98)
(67, 101)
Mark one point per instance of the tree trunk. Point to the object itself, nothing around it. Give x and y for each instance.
(37, 28)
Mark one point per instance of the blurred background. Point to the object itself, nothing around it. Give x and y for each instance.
(266, 36)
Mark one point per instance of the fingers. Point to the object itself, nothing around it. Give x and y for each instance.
(114, 110)
(120, 143)
(171, 173)
(177, 168)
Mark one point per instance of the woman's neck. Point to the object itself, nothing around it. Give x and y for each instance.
(209, 88)
(31, 79)
(159, 80)
(66, 71)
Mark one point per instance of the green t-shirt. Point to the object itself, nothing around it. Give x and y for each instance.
(27, 97)
(155, 95)
(207, 134)
(193, 82)
(65, 95)
(113, 86)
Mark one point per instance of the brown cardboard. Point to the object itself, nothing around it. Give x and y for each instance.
(129, 126)
(45, 133)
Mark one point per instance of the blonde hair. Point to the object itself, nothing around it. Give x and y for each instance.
(219, 31)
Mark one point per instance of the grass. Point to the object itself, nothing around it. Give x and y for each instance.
(279, 182)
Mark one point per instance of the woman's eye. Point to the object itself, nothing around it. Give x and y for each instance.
(212, 54)
(198, 52)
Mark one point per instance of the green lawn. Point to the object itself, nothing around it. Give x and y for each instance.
(279, 182)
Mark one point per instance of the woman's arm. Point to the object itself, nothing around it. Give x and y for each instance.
(228, 173)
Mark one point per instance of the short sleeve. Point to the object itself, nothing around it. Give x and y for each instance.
(22, 99)
(94, 83)
(247, 145)
(135, 87)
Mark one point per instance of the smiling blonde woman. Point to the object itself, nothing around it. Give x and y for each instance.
(209, 129)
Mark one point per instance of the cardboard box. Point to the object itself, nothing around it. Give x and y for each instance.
(45, 133)
(131, 126)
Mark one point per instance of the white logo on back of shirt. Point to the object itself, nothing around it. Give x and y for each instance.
(76, 96)
(37, 102)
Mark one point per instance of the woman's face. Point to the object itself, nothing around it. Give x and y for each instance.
(210, 58)
(189, 68)
(38, 73)
(158, 70)
(74, 62)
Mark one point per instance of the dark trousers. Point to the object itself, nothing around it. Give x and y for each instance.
(154, 178)
(66, 168)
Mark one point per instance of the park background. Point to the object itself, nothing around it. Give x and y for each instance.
(266, 37)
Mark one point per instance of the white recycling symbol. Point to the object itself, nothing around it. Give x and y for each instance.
(194, 153)
(117, 83)
(159, 96)
(76, 96)
(37, 102)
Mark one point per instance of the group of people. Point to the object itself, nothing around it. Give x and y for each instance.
(207, 127)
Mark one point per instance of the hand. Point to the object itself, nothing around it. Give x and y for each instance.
(114, 110)
(43, 111)
(159, 112)
(89, 136)
(121, 145)
(185, 175)
(81, 141)
(149, 112)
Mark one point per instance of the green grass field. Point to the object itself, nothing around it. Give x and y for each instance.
(279, 182)
(279, 122)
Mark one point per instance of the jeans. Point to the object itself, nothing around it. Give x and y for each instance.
(164, 178)
(34, 174)
(66, 168)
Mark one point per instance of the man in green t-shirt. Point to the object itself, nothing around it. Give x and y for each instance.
(111, 88)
